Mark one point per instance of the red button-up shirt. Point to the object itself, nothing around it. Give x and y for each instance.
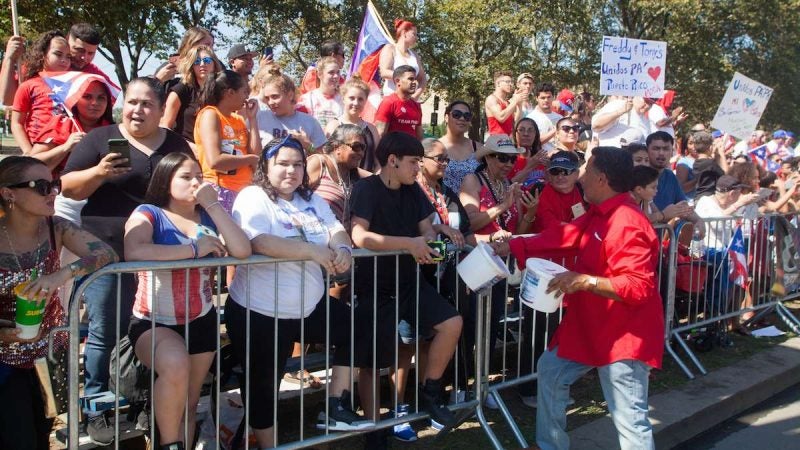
(612, 240)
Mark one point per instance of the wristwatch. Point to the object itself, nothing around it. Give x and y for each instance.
(593, 282)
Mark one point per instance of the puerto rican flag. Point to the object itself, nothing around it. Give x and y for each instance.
(759, 155)
(366, 58)
(737, 259)
(68, 87)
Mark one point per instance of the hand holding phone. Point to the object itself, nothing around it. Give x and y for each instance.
(122, 148)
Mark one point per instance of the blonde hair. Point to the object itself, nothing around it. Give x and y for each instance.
(257, 82)
(355, 82)
(283, 82)
(192, 37)
(186, 62)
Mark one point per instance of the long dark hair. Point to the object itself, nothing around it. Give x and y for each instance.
(33, 60)
(108, 116)
(261, 179)
(12, 171)
(215, 85)
(158, 191)
(537, 141)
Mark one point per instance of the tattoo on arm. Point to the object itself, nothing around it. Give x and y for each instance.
(94, 253)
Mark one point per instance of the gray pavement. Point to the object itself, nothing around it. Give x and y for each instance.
(701, 404)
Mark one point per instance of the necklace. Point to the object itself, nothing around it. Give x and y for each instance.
(14, 251)
(438, 201)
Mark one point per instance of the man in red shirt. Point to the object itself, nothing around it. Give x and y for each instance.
(615, 320)
(561, 200)
(399, 111)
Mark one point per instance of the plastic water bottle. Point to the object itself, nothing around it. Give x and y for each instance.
(697, 248)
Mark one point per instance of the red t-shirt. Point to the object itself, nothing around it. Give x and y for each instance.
(556, 208)
(613, 240)
(32, 99)
(399, 115)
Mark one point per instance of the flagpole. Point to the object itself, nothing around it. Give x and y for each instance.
(72, 118)
(14, 17)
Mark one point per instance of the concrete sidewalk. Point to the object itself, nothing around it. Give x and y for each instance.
(704, 402)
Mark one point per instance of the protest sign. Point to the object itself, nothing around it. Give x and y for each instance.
(633, 67)
(741, 107)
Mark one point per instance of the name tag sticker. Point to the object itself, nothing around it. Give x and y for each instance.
(578, 210)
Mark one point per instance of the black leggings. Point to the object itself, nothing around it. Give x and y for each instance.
(23, 425)
(263, 349)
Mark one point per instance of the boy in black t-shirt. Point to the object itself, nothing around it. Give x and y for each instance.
(391, 213)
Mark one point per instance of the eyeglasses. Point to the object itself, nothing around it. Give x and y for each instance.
(505, 159)
(441, 159)
(41, 186)
(573, 128)
(456, 114)
(203, 60)
(358, 147)
(556, 171)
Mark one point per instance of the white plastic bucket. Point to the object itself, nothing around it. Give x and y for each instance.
(538, 273)
(481, 268)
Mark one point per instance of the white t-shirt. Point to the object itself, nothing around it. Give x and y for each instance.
(655, 115)
(311, 221)
(271, 126)
(321, 107)
(718, 233)
(612, 134)
(546, 123)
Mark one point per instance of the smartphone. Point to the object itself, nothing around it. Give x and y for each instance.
(203, 230)
(121, 147)
(440, 247)
(268, 52)
(535, 186)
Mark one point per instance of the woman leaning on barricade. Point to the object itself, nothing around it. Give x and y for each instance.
(181, 219)
(30, 277)
(283, 218)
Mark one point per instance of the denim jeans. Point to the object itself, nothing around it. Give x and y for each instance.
(624, 386)
(100, 298)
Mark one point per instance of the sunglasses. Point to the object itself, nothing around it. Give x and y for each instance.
(358, 147)
(41, 186)
(573, 128)
(505, 159)
(203, 60)
(441, 159)
(556, 171)
(456, 114)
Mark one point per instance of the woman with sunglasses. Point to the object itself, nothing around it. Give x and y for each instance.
(460, 148)
(180, 220)
(354, 96)
(226, 150)
(183, 101)
(283, 218)
(567, 133)
(530, 167)
(30, 242)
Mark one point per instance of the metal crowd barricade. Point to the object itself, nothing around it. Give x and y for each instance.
(707, 297)
(296, 438)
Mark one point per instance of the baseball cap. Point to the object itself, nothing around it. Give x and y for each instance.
(239, 50)
(631, 136)
(780, 134)
(566, 98)
(524, 75)
(727, 183)
(501, 143)
(564, 160)
(716, 134)
(789, 134)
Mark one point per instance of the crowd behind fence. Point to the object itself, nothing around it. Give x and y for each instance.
(499, 336)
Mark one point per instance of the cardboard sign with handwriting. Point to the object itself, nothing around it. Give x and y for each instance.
(741, 107)
(633, 67)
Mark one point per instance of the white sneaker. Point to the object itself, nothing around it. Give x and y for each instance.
(490, 402)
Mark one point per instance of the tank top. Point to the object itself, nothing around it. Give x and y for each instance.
(336, 194)
(504, 127)
(23, 355)
(400, 60)
(456, 170)
(233, 141)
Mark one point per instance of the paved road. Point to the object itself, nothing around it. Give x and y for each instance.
(771, 425)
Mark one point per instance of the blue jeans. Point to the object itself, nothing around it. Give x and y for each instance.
(624, 386)
(100, 298)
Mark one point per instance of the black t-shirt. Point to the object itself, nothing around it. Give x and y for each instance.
(112, 203)
(390, 212)
(707, 172)
(187, 114)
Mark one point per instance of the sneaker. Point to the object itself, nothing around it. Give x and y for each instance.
(99, 430)
(436, 425)
(458, 396)
(340, 416)
(430, 396)
(490, 402)
(528, 400)
(143, 420)
(406, 332)
(403, 432)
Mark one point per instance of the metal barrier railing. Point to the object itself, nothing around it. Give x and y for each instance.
(694, 309)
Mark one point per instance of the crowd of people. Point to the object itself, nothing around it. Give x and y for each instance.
(213, 159)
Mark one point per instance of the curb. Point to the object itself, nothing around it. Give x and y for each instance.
(700, 404)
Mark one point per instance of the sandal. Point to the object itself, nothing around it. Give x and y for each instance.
(305, 379)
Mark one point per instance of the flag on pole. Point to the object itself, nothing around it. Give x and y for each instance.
(737, 259)
(759, 155)
(366, 57)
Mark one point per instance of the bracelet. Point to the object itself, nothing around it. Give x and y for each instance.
(346, 248)
(194, 249)
(209, 206)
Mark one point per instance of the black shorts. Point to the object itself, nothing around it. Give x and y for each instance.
(433, 310)
(203, 331)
